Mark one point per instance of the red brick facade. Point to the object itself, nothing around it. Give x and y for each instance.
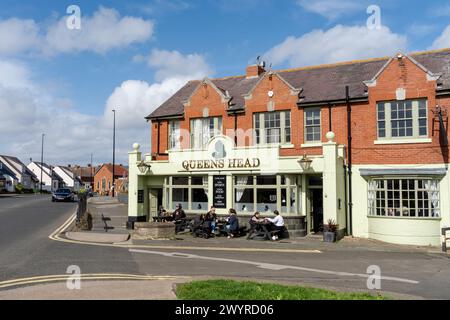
(103, 177)
(403, 73)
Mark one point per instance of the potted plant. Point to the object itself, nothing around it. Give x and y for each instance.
(330, 231)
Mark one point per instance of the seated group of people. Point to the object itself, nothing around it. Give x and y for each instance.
(207, 224)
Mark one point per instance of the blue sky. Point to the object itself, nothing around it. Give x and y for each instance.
(152, 47)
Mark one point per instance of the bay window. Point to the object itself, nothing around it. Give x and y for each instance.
(272, 127)
(404, 197)
(402, 119)
(203, 129)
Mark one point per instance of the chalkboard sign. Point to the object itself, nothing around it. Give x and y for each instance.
(140, 196)
(220, 191)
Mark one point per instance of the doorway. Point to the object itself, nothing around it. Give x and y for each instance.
(316, 196)
(155, 196)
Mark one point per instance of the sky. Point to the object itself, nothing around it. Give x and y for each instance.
(132, 55)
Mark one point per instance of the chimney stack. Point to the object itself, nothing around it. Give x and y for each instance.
(255, 70)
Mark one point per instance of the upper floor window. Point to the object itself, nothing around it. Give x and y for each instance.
(402, 119)
(272, 127)
(312, 125)
(174, 135)
(203, 129)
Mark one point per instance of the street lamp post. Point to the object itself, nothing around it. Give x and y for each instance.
(114, 152)
(42, 160)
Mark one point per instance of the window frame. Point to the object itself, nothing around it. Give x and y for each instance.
(306, 126)
(260, 131)
(372, 198)
(388, 128)
(172, 127)
(216, 130)
(169, 186)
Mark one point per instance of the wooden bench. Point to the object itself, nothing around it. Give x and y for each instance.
(105, 219)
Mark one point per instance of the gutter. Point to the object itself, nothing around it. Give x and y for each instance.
(327, 102)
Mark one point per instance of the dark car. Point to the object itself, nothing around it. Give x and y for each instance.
(63, 194)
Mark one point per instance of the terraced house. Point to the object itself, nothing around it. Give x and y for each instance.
(362, 142)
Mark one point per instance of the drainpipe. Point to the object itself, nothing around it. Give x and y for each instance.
(349, 157)
(329, 118)
(235, 129)
(159, 138)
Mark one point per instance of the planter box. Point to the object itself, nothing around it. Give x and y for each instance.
(329, 236)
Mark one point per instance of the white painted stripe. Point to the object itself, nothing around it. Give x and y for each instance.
(272, 266)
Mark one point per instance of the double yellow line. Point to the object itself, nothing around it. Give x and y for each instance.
(83, 277)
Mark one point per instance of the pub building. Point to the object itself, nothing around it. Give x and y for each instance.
(364, 143)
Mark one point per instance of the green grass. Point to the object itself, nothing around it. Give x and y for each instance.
(248, 290)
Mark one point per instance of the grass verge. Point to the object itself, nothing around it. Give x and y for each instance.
(249, 290)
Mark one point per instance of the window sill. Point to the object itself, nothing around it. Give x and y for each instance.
(406, 218)
(403, 141)
(286, 146)
(311, 145)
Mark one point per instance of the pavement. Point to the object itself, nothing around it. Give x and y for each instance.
(33, 255)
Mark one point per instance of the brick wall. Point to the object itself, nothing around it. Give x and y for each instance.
(364, 119)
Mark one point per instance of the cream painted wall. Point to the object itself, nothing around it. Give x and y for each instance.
(398, 230)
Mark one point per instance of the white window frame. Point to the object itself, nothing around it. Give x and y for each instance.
(432, 191)
(261, 130)
(174, 135)
(201, 139)
(169, 186)
(388, 120)
(306, 126)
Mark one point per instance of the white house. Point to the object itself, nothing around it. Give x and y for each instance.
(69, 178)
(16, 172)
(50, 179)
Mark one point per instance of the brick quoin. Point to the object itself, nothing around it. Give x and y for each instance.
(405, 75)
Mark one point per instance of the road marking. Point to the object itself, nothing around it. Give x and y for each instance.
(272, 266)
(85, 277)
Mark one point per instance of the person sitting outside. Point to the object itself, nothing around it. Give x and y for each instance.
(278, 223)
(233, 223)
(178, 217)
(212, 218)
(254, 221)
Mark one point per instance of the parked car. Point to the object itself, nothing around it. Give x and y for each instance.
(63, 194)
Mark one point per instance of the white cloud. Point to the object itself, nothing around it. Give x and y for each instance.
(331, 9)
(105, 30)
(72, 136)
(339, 43)
(443, 41)
(18, 35)
(170, 64)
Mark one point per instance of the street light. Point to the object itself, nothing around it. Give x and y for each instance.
(305, 162)
(42, 160)
(114, 152)
(143, 166)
